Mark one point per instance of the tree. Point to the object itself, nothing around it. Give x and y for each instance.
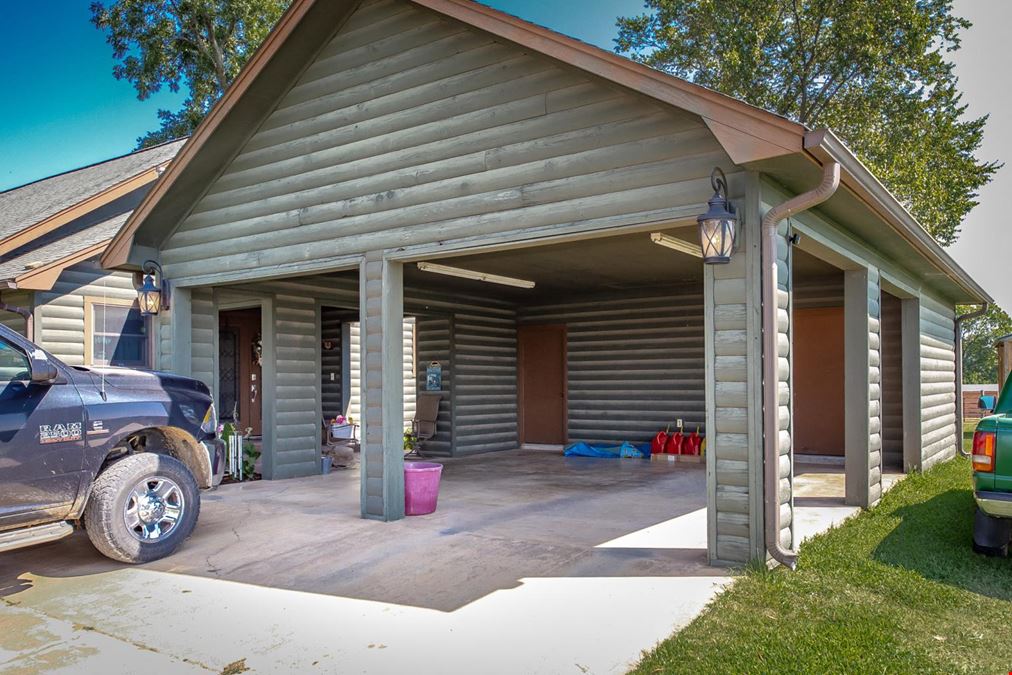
(198, 44)
(875, 71)
(980, 361)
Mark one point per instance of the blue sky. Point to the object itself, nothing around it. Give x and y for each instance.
(62, 108)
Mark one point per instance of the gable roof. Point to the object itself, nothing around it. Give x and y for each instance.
(47, 224)
(748, 134)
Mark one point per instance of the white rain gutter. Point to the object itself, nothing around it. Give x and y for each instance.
(771, 355)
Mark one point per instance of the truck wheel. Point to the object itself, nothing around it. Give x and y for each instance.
(142, 507)
(991, 535)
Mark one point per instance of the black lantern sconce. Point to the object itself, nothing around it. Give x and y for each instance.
(717, 225)
(153, 293)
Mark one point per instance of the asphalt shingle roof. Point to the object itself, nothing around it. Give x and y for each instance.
(29, 204)
(24, 206)
(60, 248)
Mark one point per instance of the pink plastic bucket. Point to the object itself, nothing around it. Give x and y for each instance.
(421, 487)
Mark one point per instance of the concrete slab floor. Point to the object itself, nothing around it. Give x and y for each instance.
(819, 491)
(533, 563)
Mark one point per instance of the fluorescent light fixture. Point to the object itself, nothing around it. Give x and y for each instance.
(471, 274)
(677, 244)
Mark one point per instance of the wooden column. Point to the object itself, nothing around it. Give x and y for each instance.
(733, 364)
(381, 300)
(862, 387)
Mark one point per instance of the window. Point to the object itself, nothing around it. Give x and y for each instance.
(115, 333)
(14, 365)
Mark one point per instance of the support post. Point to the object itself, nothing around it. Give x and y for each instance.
(862, 387)
(381, 299)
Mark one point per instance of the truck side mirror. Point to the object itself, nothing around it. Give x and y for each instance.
(986, 403)
(43, 371)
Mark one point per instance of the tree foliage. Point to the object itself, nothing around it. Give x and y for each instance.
(197, 44)
(875, 71)
(980, 360)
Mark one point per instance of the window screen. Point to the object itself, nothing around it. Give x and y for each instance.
(119, 336)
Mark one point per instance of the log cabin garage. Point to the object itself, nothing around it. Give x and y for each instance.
(368, 147)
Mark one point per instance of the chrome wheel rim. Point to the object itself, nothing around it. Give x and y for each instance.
(154, 508)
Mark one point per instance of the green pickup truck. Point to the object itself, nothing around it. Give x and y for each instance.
(992, 475)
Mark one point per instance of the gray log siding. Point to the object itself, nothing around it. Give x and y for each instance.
(382, 312)
(863, 413)
(732, 352)
(59, 312)
(435, 339)
(818, 292)
(204, 344)
(331, 361)
(485, 382)
(16, 322)
(355, 381)
(939, 435)
(162, 326)
(635, 364)
(785, 383)
(297, 406)
(409, 129)
(874, 387)
(892, 381)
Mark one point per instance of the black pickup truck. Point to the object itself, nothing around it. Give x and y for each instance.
(121, 452)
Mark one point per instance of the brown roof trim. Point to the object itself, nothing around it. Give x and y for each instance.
(87, 205)
(119, 248)
(823, 145)
(44, 277)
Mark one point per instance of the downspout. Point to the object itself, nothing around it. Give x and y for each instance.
(26, 314)
(959, 374)
(771, 381)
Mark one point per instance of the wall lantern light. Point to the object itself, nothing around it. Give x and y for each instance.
(717, 225)
(153, 293)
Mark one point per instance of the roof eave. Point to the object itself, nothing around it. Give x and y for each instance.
(81, 208)
(43, 278)
(825, 146)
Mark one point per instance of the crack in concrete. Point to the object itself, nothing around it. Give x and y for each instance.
(79, 627)
(238, 523)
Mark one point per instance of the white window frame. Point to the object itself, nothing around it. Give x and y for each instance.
(90, 303)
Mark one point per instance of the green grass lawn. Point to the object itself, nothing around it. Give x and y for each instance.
(896, 589)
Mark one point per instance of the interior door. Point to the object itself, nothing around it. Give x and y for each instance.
(542, 384)
(818, 381)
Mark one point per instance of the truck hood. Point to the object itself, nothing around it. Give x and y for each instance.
(130, 378)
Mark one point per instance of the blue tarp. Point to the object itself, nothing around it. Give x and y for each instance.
(608, 451)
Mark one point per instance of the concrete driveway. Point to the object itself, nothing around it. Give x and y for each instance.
(533, 563)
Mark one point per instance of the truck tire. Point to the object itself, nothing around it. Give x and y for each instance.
(142, 508)
(991, 535)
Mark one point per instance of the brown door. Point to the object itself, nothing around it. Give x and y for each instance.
(542, 384)
(818, 381)
(240, 373)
